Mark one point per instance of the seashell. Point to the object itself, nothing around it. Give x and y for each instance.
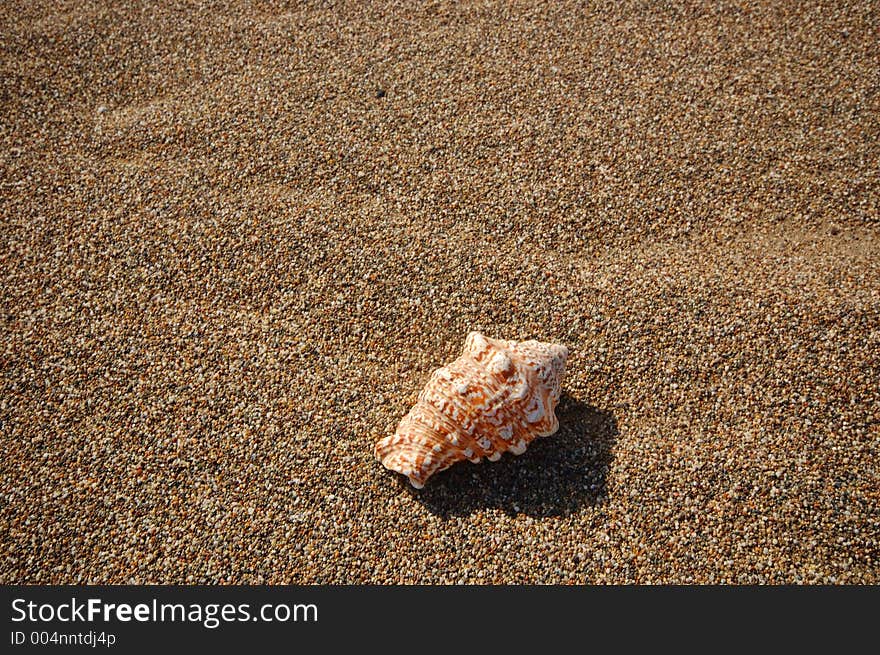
(497, 396)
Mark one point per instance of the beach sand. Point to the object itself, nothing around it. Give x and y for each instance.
(236, 238)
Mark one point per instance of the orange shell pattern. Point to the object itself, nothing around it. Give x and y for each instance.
(497, 396)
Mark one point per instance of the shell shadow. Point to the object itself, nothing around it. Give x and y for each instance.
(556, 476)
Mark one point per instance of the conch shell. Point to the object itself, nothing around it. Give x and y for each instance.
(497, 396)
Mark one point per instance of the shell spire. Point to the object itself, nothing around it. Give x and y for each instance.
(497, 396)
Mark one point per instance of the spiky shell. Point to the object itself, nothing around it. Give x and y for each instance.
(497, 396)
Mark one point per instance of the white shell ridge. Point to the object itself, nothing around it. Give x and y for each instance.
(497, 396)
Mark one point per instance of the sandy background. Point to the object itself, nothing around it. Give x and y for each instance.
(236, 238)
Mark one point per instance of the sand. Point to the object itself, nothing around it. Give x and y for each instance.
(236, 238)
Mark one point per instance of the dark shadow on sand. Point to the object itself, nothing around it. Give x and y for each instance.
(556, 476)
